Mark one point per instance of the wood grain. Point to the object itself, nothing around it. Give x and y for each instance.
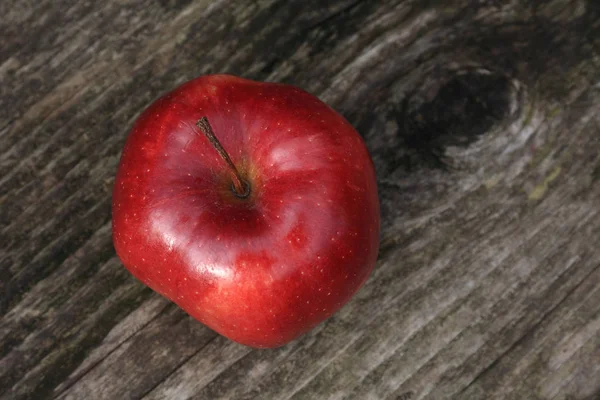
(483, 120)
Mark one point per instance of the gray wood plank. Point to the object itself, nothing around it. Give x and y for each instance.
(482, 119)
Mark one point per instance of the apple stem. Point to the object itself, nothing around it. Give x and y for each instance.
(241, 188)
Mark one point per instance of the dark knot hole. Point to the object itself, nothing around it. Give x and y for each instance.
(464, 108)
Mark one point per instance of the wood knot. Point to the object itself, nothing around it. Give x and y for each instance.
(462, 109)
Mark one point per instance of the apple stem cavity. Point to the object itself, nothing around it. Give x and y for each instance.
(240, 187)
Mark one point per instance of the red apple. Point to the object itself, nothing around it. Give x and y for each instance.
(251, 205)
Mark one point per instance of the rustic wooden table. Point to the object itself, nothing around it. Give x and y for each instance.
(483, 119)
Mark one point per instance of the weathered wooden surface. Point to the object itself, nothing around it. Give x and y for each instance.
(483, 119)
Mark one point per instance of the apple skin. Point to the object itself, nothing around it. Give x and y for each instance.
(264, 269)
